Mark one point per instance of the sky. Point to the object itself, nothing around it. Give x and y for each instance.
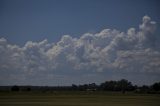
(61, 42)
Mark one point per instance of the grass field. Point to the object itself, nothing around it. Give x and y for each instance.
(77, 99)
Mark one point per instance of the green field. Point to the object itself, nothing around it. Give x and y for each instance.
(77, 99)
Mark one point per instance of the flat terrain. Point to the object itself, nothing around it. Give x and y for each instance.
(77, 99)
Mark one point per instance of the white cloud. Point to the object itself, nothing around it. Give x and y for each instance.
(108, 50)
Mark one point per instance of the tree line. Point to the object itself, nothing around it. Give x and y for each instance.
(122, 85)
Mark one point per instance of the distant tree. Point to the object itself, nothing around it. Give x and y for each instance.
(28, 89)
(92, 86)
(74, 87)
(143, 89)
(108, 85)
(156, 86)
(124, 85)
(15, 88)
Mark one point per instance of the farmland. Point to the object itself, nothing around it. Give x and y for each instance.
(78, 98)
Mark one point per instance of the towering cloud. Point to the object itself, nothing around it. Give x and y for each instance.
(134, 51)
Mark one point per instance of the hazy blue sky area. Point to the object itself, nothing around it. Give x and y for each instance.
(60, 42)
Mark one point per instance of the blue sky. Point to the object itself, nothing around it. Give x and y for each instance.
(60, 42)
(35, 20)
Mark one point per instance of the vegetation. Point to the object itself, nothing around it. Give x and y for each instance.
(122, 85)
(78, 98)
(109, 93)
(15, 88)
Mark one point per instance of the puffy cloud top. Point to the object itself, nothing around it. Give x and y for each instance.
(106, 51)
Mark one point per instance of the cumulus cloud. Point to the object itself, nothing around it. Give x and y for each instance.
(106, 51)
